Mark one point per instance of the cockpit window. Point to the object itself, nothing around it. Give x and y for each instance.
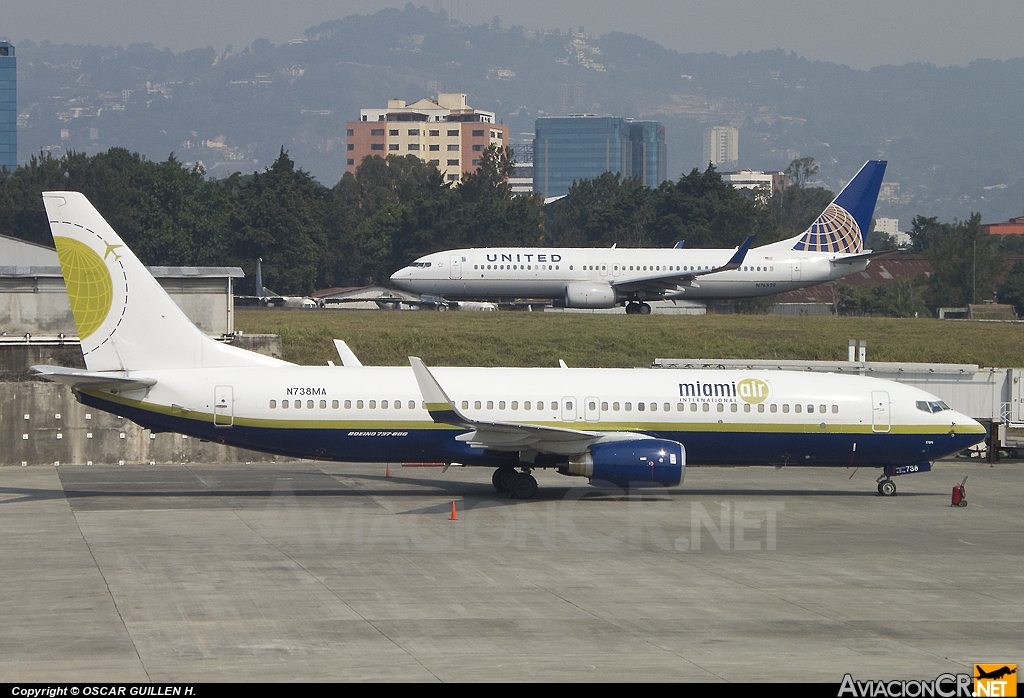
(932, 407)
(420, 265)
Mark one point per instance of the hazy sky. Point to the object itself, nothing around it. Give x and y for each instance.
(862, 34)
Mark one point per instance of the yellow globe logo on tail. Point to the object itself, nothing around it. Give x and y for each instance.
(90, 289)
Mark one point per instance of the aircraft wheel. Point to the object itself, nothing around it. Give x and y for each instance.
(501, 477)
(630, 308)
(441, 307)
(644, 309)
(887, 488)
(522, 486)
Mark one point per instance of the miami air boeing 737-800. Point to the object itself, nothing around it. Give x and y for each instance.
(631, 427)
(831, 248)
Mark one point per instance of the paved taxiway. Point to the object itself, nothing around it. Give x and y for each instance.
(314, 572)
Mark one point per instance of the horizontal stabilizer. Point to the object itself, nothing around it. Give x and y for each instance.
(78, 379)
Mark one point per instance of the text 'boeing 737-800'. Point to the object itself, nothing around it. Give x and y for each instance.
(630, 427)
(831, 248)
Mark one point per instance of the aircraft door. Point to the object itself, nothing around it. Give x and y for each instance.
(796, 270)
(455, 267)
(223, 406)
(592, 409)
(568, 409)
(604, 270)
(880, 411)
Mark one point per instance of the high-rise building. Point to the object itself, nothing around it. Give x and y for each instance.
(8, 107)
(721, 147)
(570, 148)
(448, 133)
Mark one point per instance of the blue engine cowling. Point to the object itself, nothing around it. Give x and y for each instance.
(635, 463)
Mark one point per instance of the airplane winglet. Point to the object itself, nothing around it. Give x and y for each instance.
(439, 406)
(737, 259)
(679, 245)
(347, 356)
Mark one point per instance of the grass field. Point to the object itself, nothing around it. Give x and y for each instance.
(540, 339)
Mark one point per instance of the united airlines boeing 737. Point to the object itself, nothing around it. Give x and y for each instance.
(831, 248)
(146, 361)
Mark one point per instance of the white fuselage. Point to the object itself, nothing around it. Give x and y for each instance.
(491, 273)
(721, 417)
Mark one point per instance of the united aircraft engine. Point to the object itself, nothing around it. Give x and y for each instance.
(589, 295)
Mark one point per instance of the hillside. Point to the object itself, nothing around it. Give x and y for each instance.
(951, 134)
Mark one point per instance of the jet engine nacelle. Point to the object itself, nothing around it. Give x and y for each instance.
(586, 294)
(638, 463)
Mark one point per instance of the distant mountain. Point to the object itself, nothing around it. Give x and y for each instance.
(952, 136)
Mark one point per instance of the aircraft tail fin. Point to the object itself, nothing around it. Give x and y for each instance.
(125, 319)
(843, 226)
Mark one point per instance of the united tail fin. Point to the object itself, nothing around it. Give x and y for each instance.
(125, 320)
(843, 226)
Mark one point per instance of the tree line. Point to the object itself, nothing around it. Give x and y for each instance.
(395, 209)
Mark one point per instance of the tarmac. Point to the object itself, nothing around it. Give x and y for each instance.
(334, 572)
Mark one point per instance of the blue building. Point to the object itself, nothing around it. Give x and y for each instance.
(8, 107)
(569, 148)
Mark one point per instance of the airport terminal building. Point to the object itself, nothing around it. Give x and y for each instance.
(569, 148)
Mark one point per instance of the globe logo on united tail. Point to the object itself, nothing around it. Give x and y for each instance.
(90, 289)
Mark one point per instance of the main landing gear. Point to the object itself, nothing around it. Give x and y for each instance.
(638, 309)
(518, 485)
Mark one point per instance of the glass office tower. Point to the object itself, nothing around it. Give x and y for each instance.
(8, 107)
(569, 148)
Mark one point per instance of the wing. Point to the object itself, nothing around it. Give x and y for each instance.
(88, 379)
(507, 436)
(660, 284)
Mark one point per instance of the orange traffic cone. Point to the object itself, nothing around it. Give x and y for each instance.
(454, 517)
(387, 470)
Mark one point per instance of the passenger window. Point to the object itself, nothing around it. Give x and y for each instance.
(334, 404)
(592, 406)
(526, 405)
(615, 407)
(323, 404)
(641, 406)
(785, 408)
(707, 407)
(383, 404)
(412, 404)
(667, 407)
(273, 404)
(501, 405)
(490, 404)
(734, 407)
(554, 406)
(654, 407)
(515, 405)
(465, 404)
(821, 408)
(835, 409)
(604, 406)
(679, 407)
(568, 405)
(746, 407)
(373, 404)
(397, 404)
(760, 408)
(359, 404)
(477, 405)
(798, 408)
(284, 404)
(693, 407)
(774, 409)
(348, 404)
(721, 407)
(629, 407)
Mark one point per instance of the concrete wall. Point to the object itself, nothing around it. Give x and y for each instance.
(43, 424)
